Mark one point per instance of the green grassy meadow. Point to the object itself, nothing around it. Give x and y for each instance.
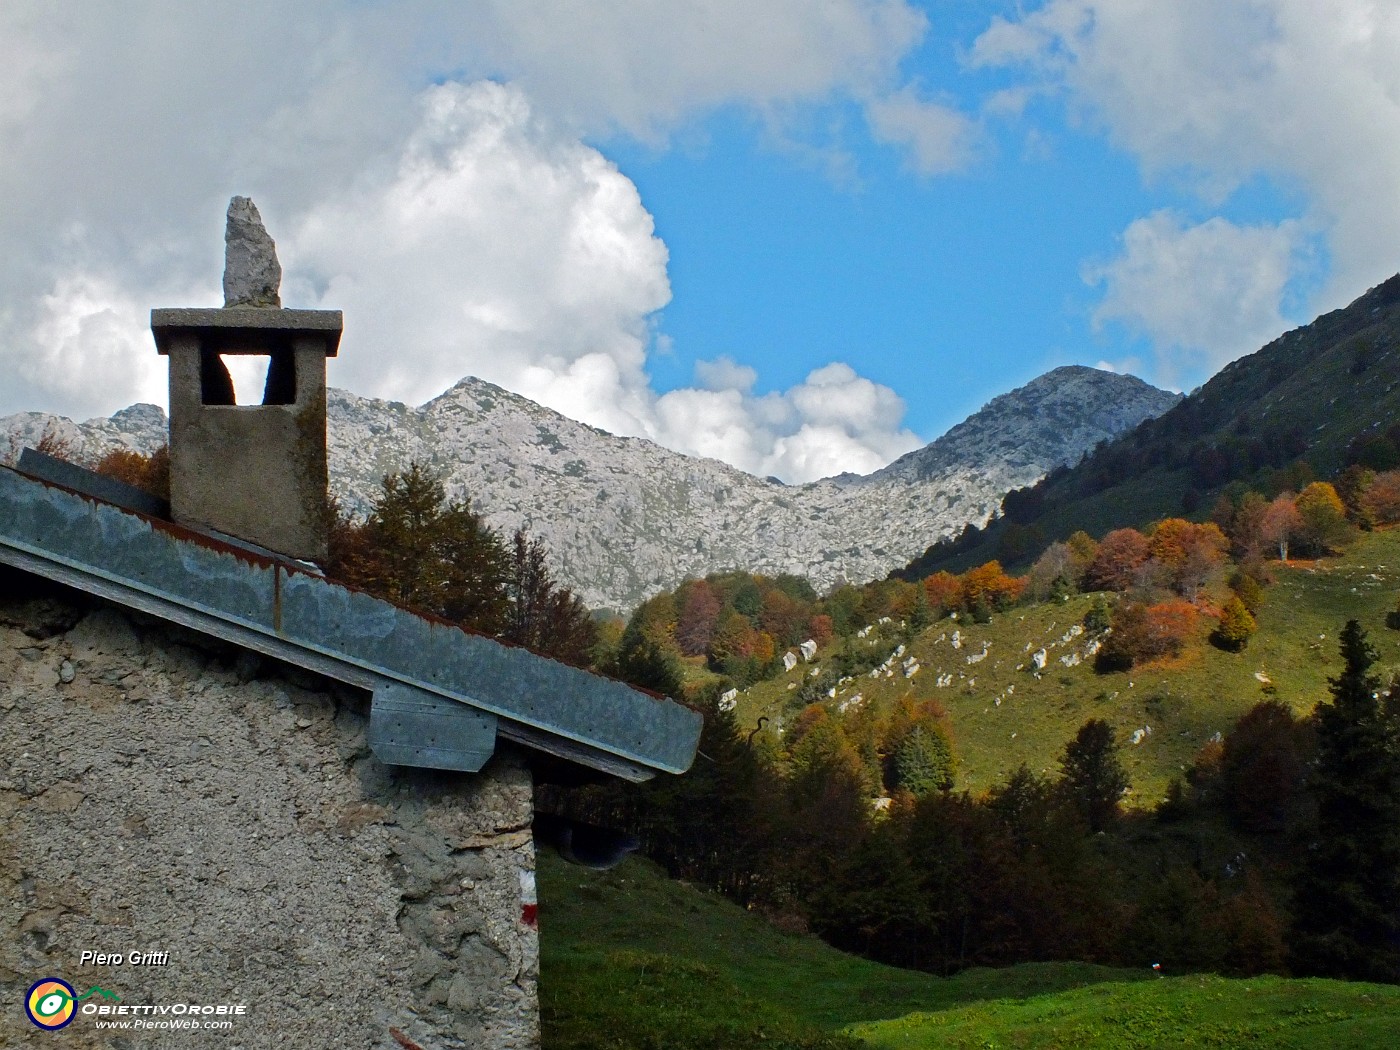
(1199, 1010)
(1004, 713)
(631, 960)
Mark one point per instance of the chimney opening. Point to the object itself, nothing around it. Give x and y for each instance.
(247, 379)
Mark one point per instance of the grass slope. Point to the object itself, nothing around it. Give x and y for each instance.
(1195, 1011)
(1003, 714)
(631, 960)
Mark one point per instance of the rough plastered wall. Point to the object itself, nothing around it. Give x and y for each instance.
(163, 794)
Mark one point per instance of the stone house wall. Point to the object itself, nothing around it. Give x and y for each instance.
(164, 793)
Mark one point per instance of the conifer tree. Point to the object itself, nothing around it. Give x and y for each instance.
(924, 762)
(1346, 908)
(1093, 779)
(419, 549)
(541, 615)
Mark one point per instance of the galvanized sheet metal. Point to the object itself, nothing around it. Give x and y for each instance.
(366, 637)
(409, 727)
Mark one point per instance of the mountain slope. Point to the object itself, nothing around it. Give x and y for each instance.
(1053, 419)
(1311, 394)
(626, 517)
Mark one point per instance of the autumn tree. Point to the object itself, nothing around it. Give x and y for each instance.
(1322, 518)
(1188, 553)
(944, 592)
(1117, 561)
(1082, 550)
(783, 616)
(698, 616)
(1053, 574)
(1246, 530)
(989, 588)
(734, 639)
(1382, 499)
(655, 620)
(1141, 633)
(1346, 902)
(1236, 626)
(1281, 523)
(150, 473)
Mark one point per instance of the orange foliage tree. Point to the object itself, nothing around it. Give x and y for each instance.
(149, 473)
(944, 593)
(1187, 552)
(989, 587)
(699, 612)
(1381, 500)
(1147, 632)
(1281, 523)
(1117, 560)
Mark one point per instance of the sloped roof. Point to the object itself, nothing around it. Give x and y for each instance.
(441, 694)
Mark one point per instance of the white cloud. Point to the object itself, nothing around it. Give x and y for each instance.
(833, 421)
(939, 138)
(463, 224)
(1205, 294)
(643, 66)
(498, 246)
(90, 337)
(1306, 92)
(724, 373)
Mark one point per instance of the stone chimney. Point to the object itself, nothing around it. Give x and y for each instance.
(254, 472)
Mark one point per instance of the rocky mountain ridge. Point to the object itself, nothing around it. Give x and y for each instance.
(626, 517)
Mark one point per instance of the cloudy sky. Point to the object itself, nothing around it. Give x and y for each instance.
(799, 236)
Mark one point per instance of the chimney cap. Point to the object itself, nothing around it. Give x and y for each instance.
(251, 329)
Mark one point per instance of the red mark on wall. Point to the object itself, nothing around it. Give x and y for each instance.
(529, 908)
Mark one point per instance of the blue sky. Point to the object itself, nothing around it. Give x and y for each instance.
(802, 238)
(950, 290)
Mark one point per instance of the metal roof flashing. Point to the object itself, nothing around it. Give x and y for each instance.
(441, 694)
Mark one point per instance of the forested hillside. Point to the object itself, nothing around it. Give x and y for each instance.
(1308, 405)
